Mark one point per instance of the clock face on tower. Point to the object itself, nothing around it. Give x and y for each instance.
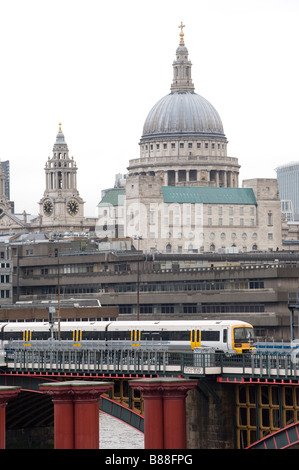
(48, 207)
(72, 207)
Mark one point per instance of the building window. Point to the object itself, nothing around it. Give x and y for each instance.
(167, 308)
(190, 145)
(198, 145)
(173, 146)
(190, 308)
(181, 145)
(168, 248)
(146, 308)
(165, 146)
(206, 145)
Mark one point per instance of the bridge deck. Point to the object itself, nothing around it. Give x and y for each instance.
(69, 357)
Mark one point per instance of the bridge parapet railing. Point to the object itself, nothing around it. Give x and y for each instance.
(91, 358)
(67, 345)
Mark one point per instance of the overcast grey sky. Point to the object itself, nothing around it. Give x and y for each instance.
(98, 67)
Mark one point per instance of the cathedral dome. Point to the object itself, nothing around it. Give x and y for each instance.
(181, 114)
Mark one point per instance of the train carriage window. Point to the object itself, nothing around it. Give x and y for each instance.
(210, 335)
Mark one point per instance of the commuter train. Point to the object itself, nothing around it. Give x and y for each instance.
(229, 336)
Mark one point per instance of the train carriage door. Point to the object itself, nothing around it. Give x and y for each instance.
(77, 337)
(27, 337)
(195, 339)
(135, 338)
(225, 339)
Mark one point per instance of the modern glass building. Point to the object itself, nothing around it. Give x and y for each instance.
(288, 184)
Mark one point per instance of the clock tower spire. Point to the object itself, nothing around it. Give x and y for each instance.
(61, 206)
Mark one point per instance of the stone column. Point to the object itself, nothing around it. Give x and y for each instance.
(76, 412)
(6, 393)
(164, 411)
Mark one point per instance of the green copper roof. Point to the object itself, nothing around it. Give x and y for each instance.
(113, 197)
(201, 195)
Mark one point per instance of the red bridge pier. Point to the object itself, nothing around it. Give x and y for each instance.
(6, 393)
(76, 412)
(164, 411)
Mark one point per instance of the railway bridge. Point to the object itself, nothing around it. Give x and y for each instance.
(240, 400)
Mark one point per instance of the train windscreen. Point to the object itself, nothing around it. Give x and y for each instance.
(243, 334)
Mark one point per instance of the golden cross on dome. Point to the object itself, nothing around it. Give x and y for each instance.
(182, 34)
(60, 127)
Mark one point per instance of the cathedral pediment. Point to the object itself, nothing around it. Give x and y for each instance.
(11, 221)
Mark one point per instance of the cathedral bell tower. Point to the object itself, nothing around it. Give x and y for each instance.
(4, 202)
(61, 205)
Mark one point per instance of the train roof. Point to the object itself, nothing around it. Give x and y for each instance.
(176, 324)
(117, 325)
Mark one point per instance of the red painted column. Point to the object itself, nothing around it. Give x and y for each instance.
(6, 393)
(63, 419)
(86, 419)
(164, 411)
(76, 412)
(174, 408)
(153, 412)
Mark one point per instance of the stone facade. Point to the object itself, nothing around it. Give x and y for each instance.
(183, 145)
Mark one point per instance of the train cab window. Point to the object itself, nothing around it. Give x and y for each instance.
(243, 334)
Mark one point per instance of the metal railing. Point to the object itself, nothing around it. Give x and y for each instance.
(95, 357)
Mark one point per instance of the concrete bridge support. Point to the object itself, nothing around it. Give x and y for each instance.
(76, 412)
(6, 393)
(164, 411)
